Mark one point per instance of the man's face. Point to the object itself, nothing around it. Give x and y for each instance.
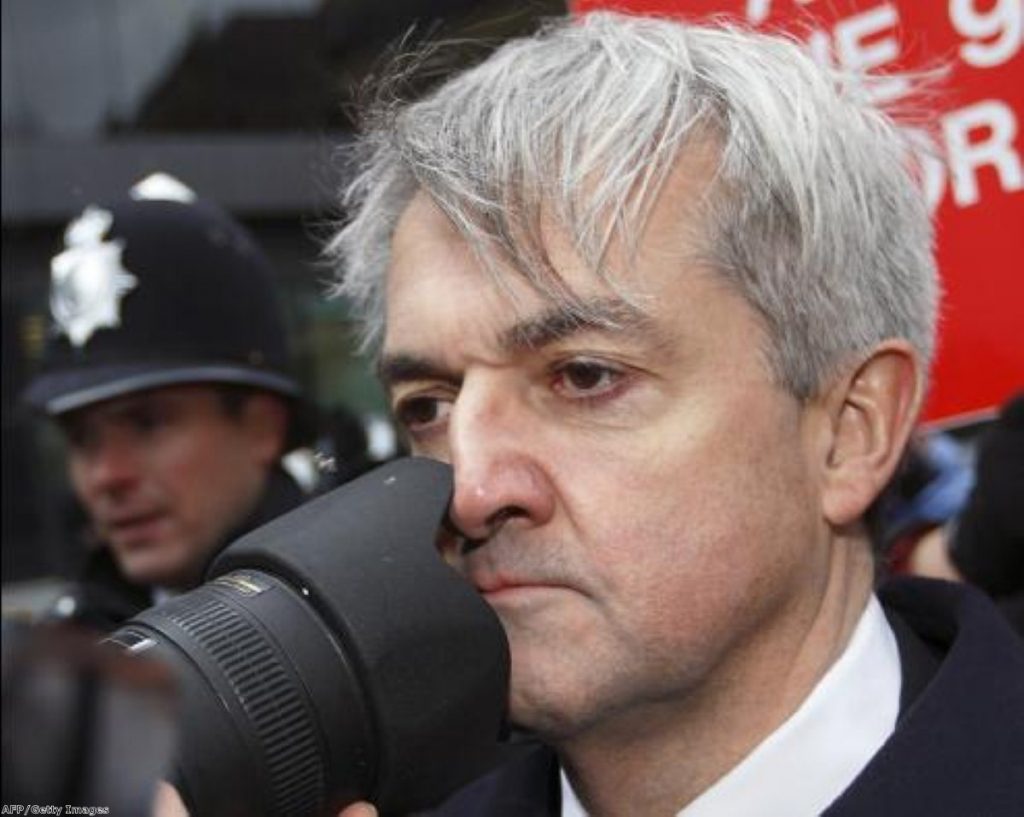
(164, 475)
(639, 501)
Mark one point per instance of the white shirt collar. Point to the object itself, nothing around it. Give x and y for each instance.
(805, 764)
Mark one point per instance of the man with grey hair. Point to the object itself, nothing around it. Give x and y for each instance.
(664, 296)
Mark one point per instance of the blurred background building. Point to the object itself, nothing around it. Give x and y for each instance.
(247, 102)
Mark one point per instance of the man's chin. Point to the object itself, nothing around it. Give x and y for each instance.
(546, 721)
(548, 709)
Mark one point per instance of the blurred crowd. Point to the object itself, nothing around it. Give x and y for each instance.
(955, 510)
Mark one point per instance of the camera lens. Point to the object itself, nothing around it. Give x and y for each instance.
(332, 656)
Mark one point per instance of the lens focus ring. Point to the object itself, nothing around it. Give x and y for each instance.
(271, 696)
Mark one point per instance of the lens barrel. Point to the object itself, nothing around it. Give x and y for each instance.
(331, 657)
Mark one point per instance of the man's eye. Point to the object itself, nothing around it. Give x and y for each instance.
(417, 414)
(79, 437)
(147, 419)
(586, 378)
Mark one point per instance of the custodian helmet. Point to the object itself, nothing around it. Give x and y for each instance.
(161, 288)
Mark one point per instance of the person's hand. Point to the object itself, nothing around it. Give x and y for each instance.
(167, 802)
(358, 810)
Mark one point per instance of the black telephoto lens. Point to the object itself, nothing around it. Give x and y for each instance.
(333, 656)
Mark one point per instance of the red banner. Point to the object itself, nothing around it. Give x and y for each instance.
(977, 192)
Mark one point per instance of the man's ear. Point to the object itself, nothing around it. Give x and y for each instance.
(266, 421)
(872, 412)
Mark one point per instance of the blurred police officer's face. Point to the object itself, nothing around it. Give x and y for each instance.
(639, 500)
(165, 474)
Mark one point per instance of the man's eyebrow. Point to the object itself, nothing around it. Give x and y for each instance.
(407, 368)
(609, 315)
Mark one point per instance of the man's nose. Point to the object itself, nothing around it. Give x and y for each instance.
(499, 477)
(111, 466)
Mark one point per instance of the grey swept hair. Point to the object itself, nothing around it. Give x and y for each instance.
(815, 213)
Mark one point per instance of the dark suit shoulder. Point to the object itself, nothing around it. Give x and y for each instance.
(958, 748)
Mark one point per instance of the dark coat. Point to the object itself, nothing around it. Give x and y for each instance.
(102, 599)
(958, 748)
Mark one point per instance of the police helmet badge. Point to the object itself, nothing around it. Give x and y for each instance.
(88, 280)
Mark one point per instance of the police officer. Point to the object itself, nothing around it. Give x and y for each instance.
(169, 373)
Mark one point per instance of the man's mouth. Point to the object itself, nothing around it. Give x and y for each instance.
(497, 587)
(136, 528)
